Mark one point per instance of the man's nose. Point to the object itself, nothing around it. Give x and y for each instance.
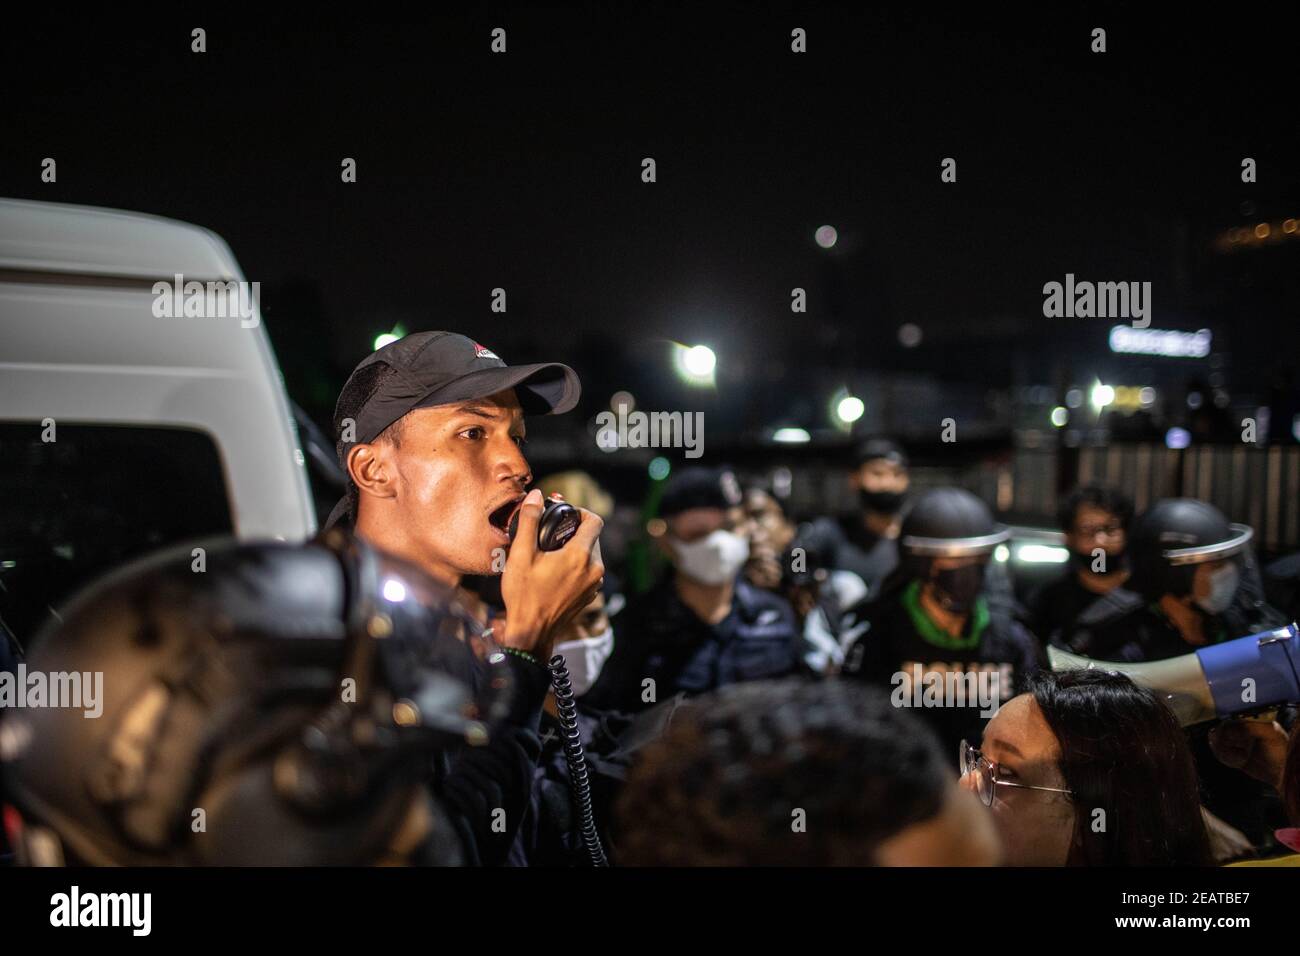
(511, 464)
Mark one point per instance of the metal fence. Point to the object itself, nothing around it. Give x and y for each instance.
(1259, 486)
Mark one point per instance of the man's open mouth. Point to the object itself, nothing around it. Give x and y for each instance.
(499, 517)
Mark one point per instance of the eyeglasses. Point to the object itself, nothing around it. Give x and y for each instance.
(986, 775)
(1108, 530)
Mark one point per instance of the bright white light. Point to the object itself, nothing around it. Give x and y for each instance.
(388, 338)
(1001, 553)
(826, 236)
(1060, 416)
(394, 591)
(791, 436)
(849, 409)
(695, 364)
(699, 360)
(1178, 438)
(1042, 554)
(1102, 395)
(1166, 342)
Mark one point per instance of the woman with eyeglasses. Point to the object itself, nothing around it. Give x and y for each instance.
(1088, 769)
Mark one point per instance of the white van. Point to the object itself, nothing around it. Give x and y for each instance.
(120, 431)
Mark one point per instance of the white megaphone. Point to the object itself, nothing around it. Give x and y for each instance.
(1250, 673)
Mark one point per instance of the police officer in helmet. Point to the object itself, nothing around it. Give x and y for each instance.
(1194, 583)
(259, 705)
(933, 637)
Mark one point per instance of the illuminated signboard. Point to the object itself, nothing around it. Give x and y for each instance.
(1165, 342)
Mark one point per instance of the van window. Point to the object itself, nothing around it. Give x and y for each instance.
(97, 496)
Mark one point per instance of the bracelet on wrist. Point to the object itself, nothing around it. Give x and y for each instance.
(524, 654)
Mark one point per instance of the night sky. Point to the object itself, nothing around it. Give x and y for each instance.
(523, 171)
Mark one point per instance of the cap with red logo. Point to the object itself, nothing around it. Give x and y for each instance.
(438, 368)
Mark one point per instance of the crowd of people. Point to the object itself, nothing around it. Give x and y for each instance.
(863, 689)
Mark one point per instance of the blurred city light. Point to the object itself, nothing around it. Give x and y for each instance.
(1042, 554)
(1074, 398)
(909, 335)
(849, 409)
(659, 468)
(1163, 342)
(394, 591)
(1001, 553)
(1178, 438)
(625, 399)
(791, 436)
(826, 236)
(695, 364)
(1060, 416)
(1102, 395)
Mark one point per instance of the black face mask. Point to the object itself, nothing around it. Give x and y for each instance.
(957, 588)
(884, 502)
(1084, 562)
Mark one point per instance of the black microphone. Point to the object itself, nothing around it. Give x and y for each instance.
(559, 523)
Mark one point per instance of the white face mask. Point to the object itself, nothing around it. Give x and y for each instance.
(1223, 588)
(714, 559)
(585, 657)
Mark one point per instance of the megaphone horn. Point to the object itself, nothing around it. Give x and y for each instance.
(1246, 674)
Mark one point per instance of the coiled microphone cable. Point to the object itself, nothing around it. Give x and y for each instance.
(579, 779)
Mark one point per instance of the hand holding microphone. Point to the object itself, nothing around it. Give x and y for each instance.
(552, 572)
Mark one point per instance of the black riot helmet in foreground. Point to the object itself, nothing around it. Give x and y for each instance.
(949, 523)
(258, 705)
(1173, 538)
(947, 538)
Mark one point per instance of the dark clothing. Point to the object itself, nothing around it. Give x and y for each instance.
(847, 545)
(550, 833)
(474, 783)
(662, 640)
(901, 640)
(1122, 626)
(1282, 585)
(1055, 607)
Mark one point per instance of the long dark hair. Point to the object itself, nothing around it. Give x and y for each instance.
(1123, 753)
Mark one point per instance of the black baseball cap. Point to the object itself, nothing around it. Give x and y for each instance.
(438, 368)
(874, 448)
(700, 487)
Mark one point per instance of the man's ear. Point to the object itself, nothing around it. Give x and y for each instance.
(372, 470)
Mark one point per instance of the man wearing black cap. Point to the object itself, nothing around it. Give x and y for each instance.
(430, 432)
(867, 543)
(703, 626)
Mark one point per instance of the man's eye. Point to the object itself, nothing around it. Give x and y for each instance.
(474, 433)
(521, 441)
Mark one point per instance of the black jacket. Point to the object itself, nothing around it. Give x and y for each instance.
(661, 639)
(894, 644)
(486, 790)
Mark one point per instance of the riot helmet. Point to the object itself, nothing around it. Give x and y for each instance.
(258, 704)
